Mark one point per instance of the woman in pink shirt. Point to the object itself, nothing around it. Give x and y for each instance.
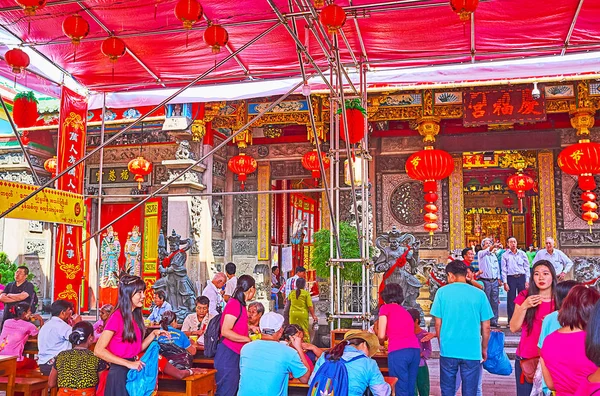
(398, 327)
(15, 333)
(123, 336)
(591, 385)
(563, 359)
(531, 306)
(234, 332)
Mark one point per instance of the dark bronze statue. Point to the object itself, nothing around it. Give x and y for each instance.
(178, 287)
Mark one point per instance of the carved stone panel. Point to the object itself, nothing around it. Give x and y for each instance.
(407, 202)
(579, 238)
(439, 240)
(219, 169)
(35, 246)
(160, 173)
(390, 163)
(218, 247)
(36, 226)
(288, 170)
(244, 213)
(244, 247)
(571, 203)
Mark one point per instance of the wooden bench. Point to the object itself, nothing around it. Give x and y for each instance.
(29, 386)
(194, 385)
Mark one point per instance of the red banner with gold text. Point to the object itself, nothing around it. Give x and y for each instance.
(68, 271)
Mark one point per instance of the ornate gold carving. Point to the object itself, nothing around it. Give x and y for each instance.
(428, 127)
(457, 221)
(243, 139)
(320, 132)
(583, 95)
(272, 131)
(500, 127)
(559, 106)
(582, 119)
(518, 159)
(453, 111)
(198, 130)
(264, 211)
(546, 195)
(427, 102)
(70, 270)
(68, 293)
(396, 113)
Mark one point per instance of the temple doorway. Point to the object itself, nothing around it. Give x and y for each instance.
(491, 209)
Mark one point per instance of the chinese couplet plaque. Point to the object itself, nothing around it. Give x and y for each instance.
(503, 106)
(68, 271)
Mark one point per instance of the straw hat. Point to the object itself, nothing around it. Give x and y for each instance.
(370, 338)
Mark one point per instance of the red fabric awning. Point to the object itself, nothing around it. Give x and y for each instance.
(395, 34)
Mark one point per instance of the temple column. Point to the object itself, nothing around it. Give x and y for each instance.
(264, 212)
(546, 196)
(457, 206)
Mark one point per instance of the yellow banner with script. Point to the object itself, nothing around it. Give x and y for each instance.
(53, 206)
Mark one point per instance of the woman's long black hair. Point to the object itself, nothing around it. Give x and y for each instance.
(128, 286)
(81, 333)
(337, 351)
(244, 283)
(534, 290)
(19, 310)
(300, 285)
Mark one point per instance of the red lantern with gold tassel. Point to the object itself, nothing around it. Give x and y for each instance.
(333, 17)
(428, 166)
(31, 6)
(113, 48)
(76, 28)
(140, 167)
(188, 12)
(520, 183)
(242, 165)
(310, 161)
(18, 60)
(50, 166)
(215, 36)
(464, 8)
(583, 160)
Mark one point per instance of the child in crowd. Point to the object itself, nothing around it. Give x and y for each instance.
(105, 312)
(16, 332)
(311, 351)
(75, 371)
(177, 337)
(423, 373)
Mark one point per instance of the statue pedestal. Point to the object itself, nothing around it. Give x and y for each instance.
(190, 215)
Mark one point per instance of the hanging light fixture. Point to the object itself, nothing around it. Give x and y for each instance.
(18, 60)
(215, 36)
(76, 28)
(31, 6)
(333, 17)
(357, 170)
(188, 12)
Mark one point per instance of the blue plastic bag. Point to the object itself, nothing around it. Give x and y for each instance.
(497, 360)
(143, 382)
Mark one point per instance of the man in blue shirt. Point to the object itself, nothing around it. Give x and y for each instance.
(489, 273)
(562, 264)
(160, 307)
(266, 364)
(515, 273)
(462, 322)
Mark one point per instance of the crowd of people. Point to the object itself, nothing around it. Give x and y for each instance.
(258, 352)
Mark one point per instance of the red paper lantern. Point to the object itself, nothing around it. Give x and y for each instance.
(50, 166)
(431, 197)
(464, 8)
(242, 165)
(17, 59)
(431, 208)
(215, 36)
(520, 183)
(430, 217)
(590, 217)
(429, 164)
(333, 17)
(113, 48)
(140, 167)
(588, 196)
(310, 161)
(75, 27)
(508, 202)
(31, 6)
(431, 227)
(589, 206)
(25, 113)
(581, 159)
(188, 12)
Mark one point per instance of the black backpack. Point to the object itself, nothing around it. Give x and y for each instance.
(212, 336)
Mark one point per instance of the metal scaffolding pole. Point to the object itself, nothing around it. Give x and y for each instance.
(192, 166)
(141, 118)
(99, 223)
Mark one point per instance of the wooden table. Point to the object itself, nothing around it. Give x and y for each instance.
(194, 385)
(8, 368)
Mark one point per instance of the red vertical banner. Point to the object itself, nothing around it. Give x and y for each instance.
(68, 270)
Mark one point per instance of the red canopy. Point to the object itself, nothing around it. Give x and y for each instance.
(404, 33)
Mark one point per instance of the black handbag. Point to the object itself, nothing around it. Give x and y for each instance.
(176, 355)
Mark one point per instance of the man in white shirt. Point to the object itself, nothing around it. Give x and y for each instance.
(214, 293)
(54, 334)
(231, 281)
(562, 264)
